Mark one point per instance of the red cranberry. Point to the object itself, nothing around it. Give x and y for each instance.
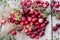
(34, 19)
(43, 29)
(37, 23)
(26, 30)
(19, 28)
(41, 33)
(13, 32)
(37, 37)
(26, 22)
(3, 21)
(46, 22)
(42, 25)
(31, 11)
(29, 33)
(58, 25)
(23, 19)
(29, 18)
(35, 32)
(32, 36)
(30, 29)
(22, 23)
(56, 4)
(52, 4)
(54, 28)
(41, 20)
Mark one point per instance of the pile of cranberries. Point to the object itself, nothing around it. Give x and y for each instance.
(56, 27)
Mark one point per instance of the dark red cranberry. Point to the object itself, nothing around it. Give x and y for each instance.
(23, 19)
(34, 19)
(37, 37)
(30, 29)
(26, 22)
(41, 33)
(13, 32)
(29, 33)
(19, 28)
(46, 22)
(32, 36)
(41, 20)
(52, 4)
(58, 25)
(26, 30)
(29, 18)
(22, 23)
(37, 23)
(42, 25)
(43, 29)
(54, 28)
(35, 32)
(56, 4)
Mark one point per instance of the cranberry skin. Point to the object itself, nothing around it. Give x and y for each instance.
(19, 28)
(32, 36)
(56, 4)
(26, 30)
(23, 19)
(35, 32)
(34, 19)
(42, 25)
(26, 22)
(33, 16)
(41, 33)
(22, 23)
(17, 22)
(41, 20)
(13, 32)
(30, 29)
(31, 11)
(46, 22)
(3, 21)
(59, 17)
(44, 5)
(37, 23)
(29, 33)
(23, 3)
(40, 16)
(42, 29)
(37, 37)
(54, 28)
(58, 25)
(29, 18)
(52, 4)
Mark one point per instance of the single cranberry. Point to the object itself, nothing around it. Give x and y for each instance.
(26, 30)
(30, 29)
(56, 4)
(34, 19)
(35, 32)
(42, 25)
(58, 25)
(54, 28)
(41, 20)
(41, 33)
(23, 19)
(37, 23)
(37, 37)
(13, 32)
(3, 21)
(46, 22)
(29, 18)
(22, 23)
(32, 36)
(29, 33)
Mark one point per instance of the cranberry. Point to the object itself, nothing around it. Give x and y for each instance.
(41, 33)
(23, 19)
(52, 4)
(41, 20)
(34, 19)
(13, 32)
(37, 23)
(43, 29)
(29, 18)
(26, 22)
(30, 29)
(46, 22)
(42, 25)
(29, 33)
(58, 25)
(31, 11)
(19, 28)
(56, 4)
(23, 3)
(3, 21)
(33, 16)
(32, 36)
(22, 23)
(12, 13)
(35, 32)
(26, 30)
(44, 5)
(54, 28)
(37, 37)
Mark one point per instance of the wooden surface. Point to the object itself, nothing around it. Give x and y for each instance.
(49, 35)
